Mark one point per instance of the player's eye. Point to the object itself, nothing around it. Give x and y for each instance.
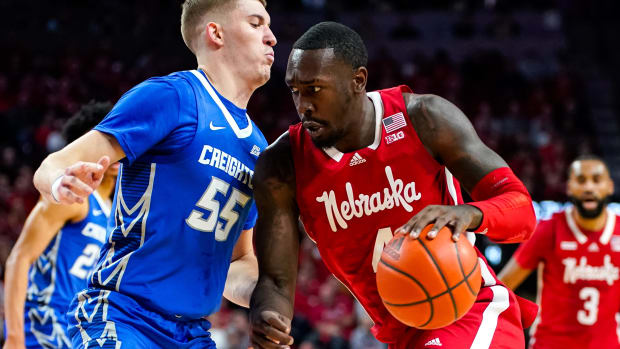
(315, 89)
(294, 90)
(255, 25)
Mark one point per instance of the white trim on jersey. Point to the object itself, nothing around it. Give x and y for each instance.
(452, 190)
(499, 303)
(375, 97)
(104, 205)
(581, 237)
(241, 133)
(609, 228)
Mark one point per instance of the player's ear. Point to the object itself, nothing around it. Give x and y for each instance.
(214, 35)
(360, 78)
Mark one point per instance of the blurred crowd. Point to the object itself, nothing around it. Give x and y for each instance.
(529, 109)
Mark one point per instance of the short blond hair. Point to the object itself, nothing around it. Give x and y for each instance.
(193, 11)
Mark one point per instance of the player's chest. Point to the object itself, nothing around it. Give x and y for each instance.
(366, 194)
(591, 262)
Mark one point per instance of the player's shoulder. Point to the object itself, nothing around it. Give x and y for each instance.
(179, 82)
(279, 149)
(276, 160)
(547, 227)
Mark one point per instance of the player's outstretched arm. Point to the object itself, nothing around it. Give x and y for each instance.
(277, 245)
(502, 208)
(243, 271)
(71, 174)
(513, 274)
(42, 224)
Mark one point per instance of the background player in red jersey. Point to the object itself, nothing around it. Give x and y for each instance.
(578, 255)
(363, 166)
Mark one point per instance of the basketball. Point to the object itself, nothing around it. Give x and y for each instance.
(428, 284)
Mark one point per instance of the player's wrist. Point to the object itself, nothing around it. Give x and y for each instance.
(54, 189)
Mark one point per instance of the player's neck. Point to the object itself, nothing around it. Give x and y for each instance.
(228, 83)
(591, 224)
(106, 187)
(362, 131)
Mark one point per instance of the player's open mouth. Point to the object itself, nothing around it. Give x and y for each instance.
(589, 204)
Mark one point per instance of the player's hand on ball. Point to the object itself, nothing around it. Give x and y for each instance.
(270, 330)
(458, 218)
(79, 181)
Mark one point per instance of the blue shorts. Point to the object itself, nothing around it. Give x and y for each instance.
(107, 319)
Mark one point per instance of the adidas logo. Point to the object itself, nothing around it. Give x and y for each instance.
(356, 160)
(436, 342)
(593, 247)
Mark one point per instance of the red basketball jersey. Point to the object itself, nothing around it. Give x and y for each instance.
(350, 204)
(578, 288)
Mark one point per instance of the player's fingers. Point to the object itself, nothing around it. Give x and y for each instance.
(66, 196)
(84, 171)
(276, 320)
(104, 162)
(405, 228)
(275, 335)
(425, 217)
(440, 222)
(76, 186)
(278, 328)
(258, 341)
(459, 227)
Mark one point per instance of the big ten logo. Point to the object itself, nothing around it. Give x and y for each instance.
(394, 137)
(94, 231)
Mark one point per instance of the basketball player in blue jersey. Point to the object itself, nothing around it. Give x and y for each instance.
(60, 245)
(183, 210)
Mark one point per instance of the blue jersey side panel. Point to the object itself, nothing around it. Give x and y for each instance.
(59, 273)
(178, 215)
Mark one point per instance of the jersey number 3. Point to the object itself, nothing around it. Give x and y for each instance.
(589, 314)
(227, 213)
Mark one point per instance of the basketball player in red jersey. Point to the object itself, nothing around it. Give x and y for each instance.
(363, 166)
(577, 253)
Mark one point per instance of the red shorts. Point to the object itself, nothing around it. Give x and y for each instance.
(494, 322)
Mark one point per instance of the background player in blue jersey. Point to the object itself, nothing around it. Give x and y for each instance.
(183, 207)
(59, 245)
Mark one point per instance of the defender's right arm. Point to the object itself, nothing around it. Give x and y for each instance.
(77, 170)
(276, 240)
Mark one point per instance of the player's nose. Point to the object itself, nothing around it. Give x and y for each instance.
(304, 107)
(270, 38)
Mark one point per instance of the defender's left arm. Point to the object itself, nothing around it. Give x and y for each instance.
(502, 209)
(243, 272)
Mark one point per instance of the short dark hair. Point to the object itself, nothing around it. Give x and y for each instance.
(586, 157)
(85, 119)
(347, 44)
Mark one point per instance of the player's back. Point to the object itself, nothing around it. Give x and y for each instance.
(181, 203)
(351, 203)
(60, 272)
(579, 292)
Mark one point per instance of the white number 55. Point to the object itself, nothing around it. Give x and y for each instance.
(228, 214)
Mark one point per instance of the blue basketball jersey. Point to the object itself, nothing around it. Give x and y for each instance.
(183, 196)
(59, 273)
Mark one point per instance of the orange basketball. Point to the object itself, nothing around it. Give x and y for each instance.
(428, 284)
